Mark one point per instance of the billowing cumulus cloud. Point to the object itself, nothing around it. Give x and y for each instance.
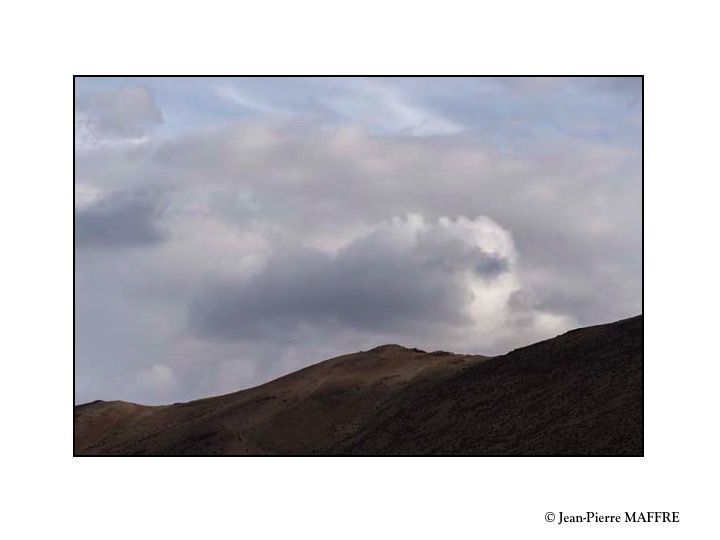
(229, 231)
(406, 275)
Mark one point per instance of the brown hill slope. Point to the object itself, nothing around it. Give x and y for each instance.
(576, 394)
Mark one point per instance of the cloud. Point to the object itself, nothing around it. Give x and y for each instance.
(157, 379)
(383, 108)
(115, 116)
(269, 243)
(569, 202)
(404, 275)
(119, 220)
(235, 96)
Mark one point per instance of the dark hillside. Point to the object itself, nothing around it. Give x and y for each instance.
(577, 394)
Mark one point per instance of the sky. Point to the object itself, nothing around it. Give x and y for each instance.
(232, 230)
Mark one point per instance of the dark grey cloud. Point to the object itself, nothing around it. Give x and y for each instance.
(120, 220)
(406, 275)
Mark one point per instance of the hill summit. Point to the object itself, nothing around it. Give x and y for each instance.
(580, 393)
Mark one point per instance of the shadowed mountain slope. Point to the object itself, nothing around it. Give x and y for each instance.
(577, 394)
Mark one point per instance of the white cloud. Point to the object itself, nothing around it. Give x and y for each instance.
(159, 380)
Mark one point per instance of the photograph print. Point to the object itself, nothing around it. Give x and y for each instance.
(358, 266)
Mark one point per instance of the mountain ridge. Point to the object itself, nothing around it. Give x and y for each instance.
(579, 393)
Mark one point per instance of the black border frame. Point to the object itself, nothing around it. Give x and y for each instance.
(642, 265)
